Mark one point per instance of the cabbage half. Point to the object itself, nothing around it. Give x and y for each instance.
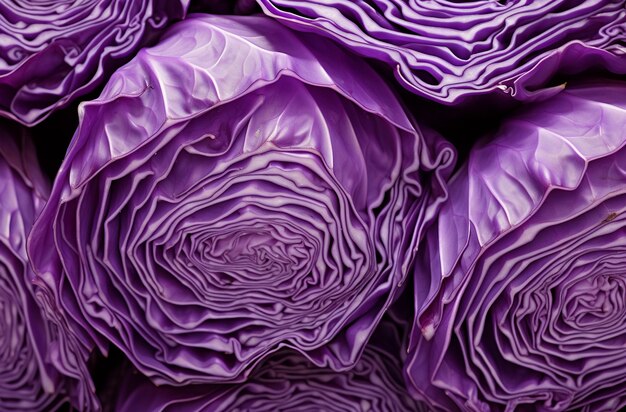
(53, 52)
(525, 307)
(448, 51)
(236, 189)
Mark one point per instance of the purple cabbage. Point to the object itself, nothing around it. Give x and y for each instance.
(28, 381)
(55, 51)
(236, 189)
(287, 382)
(525, 308)
(448, 50)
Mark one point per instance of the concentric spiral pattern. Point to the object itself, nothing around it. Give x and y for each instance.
(27, 381)
(527, 308)
(203, 218)
(287, 382)
(448, 50)
(53, 51)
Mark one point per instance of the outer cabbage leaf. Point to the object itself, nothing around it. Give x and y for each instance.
(447, 50)
(28, 381)
(55, 51)
(236, 189)
(526, 305)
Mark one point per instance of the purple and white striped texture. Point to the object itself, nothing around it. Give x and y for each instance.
(288, 382)
(28, 381)
(447, 51)
(520, 285)
(53, 52)
(236, 189)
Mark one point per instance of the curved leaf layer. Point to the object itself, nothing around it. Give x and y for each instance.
(287, 382)
(526, 303)
(55, 51)
(447, 50)
(28, 381)
(236, 189)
